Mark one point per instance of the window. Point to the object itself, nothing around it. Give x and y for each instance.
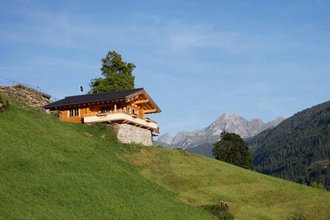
(74, 112)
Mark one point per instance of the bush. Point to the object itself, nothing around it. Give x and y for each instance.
(317, 185)
(221, 210)
(56, 114)
(4, 103)
(297, 216)
(100, 126)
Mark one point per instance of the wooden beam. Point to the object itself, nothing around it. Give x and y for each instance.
(140, 101)
(135, 106)
(150, 110)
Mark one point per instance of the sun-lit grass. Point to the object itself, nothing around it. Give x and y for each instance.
(55, 170)
(201, 181)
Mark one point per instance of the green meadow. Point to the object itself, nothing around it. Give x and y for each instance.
(56, 170)
(202, 182)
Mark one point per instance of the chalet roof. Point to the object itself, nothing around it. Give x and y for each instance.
(77, 100)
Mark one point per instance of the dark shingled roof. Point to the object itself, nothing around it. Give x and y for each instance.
(92, 98)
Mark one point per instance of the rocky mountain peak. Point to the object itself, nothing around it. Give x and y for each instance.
(227, 121)
(229, 116)
(165, 138)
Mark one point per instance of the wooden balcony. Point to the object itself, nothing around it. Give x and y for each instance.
(123, 117)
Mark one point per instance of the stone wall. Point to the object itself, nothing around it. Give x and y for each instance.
(29, 96)
(130, 134)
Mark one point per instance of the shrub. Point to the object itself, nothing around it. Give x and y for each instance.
(297, 216)
(317, 185)
(221, 210)
(100, 126)
(55, 113)
(4, 103)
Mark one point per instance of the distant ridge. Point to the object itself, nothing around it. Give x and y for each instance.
(201, 141)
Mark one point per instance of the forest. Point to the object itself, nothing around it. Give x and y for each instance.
(298, 149)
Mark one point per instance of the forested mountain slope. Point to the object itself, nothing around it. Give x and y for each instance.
(298, 149)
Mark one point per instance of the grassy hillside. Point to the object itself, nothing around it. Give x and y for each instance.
(202, 181)
(55, 170)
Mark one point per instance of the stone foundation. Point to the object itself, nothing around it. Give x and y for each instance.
(130, 134)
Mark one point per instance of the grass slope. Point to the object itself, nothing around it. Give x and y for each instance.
(202, 181)
(55, 170)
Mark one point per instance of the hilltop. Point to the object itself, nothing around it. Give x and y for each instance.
(27, 95)
(56, 170)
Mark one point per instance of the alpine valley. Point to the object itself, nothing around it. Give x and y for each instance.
(202, 141)
(297, 148)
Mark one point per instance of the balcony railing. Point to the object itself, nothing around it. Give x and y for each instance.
(123, 117)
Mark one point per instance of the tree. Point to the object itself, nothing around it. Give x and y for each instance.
(232, 149)
(117, 75)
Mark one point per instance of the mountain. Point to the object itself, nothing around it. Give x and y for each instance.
(56, 170)
(201, 141)
(298, 149)
(165, 139)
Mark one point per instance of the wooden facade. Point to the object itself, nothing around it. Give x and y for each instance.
(130, 106)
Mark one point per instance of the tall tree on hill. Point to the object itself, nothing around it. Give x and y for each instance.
(117, 75)
(232, 149)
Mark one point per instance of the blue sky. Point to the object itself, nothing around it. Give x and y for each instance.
(197, 59)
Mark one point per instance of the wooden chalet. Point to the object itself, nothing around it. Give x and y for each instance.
(129, 106)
